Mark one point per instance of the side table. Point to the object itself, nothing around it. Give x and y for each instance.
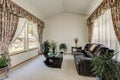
(74, 49)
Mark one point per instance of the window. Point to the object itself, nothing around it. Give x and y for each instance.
(32, 40)
(25, 41)
(18, 44)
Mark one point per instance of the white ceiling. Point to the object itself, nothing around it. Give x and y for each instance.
(53, 7)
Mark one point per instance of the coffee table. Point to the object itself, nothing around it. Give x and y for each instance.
(54, 60)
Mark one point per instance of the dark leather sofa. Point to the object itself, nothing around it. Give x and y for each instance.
(84, 56)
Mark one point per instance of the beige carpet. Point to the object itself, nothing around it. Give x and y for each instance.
(36, 70)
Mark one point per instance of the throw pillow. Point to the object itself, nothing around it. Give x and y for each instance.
(92, 47)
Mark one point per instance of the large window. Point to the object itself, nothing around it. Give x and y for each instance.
(31, 35)
(25, 41)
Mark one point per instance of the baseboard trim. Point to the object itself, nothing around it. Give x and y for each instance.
(24, 61)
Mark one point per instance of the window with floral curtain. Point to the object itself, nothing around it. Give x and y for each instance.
(103, 31)
(26, 37)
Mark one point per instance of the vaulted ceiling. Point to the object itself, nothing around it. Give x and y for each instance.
(53, 7)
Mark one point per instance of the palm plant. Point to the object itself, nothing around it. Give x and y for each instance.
(53, 46)
(105, 67)
(3, 65)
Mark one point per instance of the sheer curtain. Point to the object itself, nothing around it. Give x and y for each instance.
(103, 31)
(21, 25)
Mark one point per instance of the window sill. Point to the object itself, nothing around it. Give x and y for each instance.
(22, 52)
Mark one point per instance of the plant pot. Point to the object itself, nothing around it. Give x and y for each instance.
(97, 78)
(61, 52)
(53, 49)
(3, 71)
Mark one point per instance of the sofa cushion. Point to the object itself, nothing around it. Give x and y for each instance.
(87, 46)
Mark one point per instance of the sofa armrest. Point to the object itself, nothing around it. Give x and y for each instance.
(83, 65)
(86, 58)
(78, 53)
(82, 58)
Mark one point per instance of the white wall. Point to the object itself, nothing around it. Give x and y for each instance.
(65, 27)
(30, 8)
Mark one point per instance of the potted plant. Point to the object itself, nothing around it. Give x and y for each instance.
(105, 67)
(63, 47)
(3, 64)
(53, 46)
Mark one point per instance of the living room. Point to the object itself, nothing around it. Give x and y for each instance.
(26, 25)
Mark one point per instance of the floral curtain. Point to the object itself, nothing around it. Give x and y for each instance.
(90, 31)
(40, 33)
(114, 5)
(8, 25)
(116, 18)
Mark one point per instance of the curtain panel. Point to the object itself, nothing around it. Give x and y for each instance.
(114, 5)
(40, 33)
(8, 26)
(90, 31)
(116, 18)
